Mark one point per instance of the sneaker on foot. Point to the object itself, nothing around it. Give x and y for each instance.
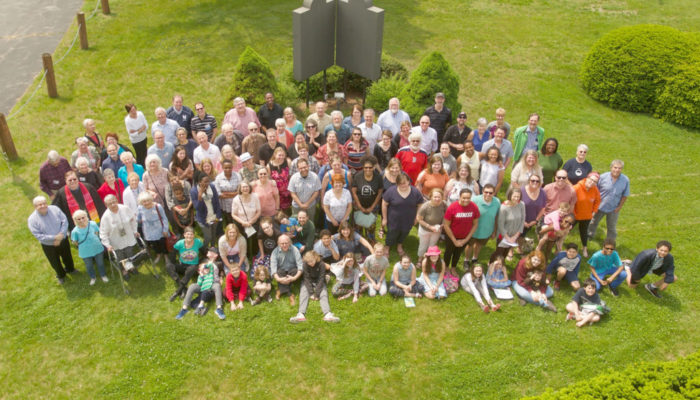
(60, 281)
(298, 318)
(220, 313)
(269, 298)
(181, 313)
(331, 318)
(199, 311)
(614, 291)
(654, 291)
(92, 281)
(204, 311)
(174, 296)
(105, 279)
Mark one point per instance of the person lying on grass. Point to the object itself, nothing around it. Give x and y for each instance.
(586, 307)
(348, 282)
(314, 287)
(474, 283)
(403, 279)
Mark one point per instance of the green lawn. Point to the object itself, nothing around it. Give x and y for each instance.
(522, 55)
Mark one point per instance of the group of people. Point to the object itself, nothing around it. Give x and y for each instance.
(267, 202)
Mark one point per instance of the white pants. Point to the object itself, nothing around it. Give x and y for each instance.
(426, 239)
(382, 288)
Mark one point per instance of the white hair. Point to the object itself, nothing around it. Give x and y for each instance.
(144, 196)
(87, 121)
(38, 199)
(238, 100)
(53, 156)
(582, 146)
(152, 157)
(415, 136)
(159, 109)
(336, 113)
(482, 121)
(252, 124)
(81, 140)
(227, 126)
(109, 198)
(79, 213)
(81, 160)
(280, 122)
(617, 162)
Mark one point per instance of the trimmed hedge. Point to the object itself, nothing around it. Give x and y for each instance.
(678, 379)
(628, 67)
(434, 74)
(680, 101)
(381, 91)
(252, 78)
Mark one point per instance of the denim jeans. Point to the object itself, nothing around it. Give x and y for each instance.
(90, 265)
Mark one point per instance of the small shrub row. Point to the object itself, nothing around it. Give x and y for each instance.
(678, 379)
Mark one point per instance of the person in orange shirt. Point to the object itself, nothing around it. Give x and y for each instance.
(432, 177)
(587, 202)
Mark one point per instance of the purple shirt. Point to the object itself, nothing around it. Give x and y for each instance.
(402, 212)
(533, 207)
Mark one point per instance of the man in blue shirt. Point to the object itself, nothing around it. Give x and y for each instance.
(614, 189)
(49, 226)
(606, 262)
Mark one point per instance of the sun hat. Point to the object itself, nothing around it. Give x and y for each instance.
(433, 251)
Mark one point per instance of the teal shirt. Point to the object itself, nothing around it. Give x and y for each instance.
(602, 263)
(487, 221)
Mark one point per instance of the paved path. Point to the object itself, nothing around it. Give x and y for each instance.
(29, 28)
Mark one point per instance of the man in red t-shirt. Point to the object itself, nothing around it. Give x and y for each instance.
(461, 221)
(413, 158)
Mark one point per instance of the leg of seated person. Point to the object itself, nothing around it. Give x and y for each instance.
(191, 290)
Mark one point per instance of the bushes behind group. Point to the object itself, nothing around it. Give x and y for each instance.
(252, 78)
(381, 91)
(678, 379)
(629, 69)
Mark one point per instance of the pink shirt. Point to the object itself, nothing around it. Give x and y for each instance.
(555, 196)
(241, 122)
(266, 195)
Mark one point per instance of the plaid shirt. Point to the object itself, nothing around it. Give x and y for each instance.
(51, 178)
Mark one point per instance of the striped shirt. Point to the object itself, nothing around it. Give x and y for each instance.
(207, 124)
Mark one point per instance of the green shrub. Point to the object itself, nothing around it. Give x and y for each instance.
(252, 78)
(381, 91)
(335, 79)
(680, 100)
(628, 67)
(670, 380)
(433, 75)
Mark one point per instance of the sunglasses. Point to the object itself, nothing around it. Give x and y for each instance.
(488, 192)
(535, 180)
(561, 178)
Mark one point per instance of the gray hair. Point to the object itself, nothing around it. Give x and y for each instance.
(482, 121)
(38, 199)
(144, 196)
(159, 109)
(238, 100)
(87, 121)
(81, 140)
(110, 198)
(280, 122)
(415, 136)
(107, 172)
(152, 157)
(336, 113)
(79, 213)
(81, 160)
(227, 127)
(157, 131)
(617, 162)
(582, 146)
(125, 156)
(53, 156)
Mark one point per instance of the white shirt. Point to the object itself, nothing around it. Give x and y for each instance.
(111, 226)
(372, 135)
(211, 153)
(136, 123)
(429, 144)
(392, 122)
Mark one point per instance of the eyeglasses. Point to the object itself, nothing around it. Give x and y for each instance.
(488, 192)
(415, 141)
(310, 126)
(357, 134)
(535, 180)
(462, 117)
(609, 248)
(199, 109)
(253, 129)
(368, 167)
(262, 174)
(561, 178)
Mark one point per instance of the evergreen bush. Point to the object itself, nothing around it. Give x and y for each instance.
(434, 74)
(680, 100)
(252, 78)
(381, 91)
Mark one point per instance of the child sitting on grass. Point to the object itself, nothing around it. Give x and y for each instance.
(204, 285)
(374, 269)
(403, 279)
(236, 286)
(474, 283)
(348, 282)
(586, 307)
(262, 286)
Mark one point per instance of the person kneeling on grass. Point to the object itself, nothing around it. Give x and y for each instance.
(348, 282)
(658, 261)
(403, 279)
(474, 283)
(433, 274)
(314, 286)
(566, 264)
(236, 286)
(208, 285)
(374, 269)
(606, 262)
(586, 307)
(285, 266)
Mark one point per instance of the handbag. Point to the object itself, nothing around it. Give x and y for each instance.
(365, 220)
(249, 230)
(451, 283)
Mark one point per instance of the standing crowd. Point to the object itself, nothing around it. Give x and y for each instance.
(265, 206)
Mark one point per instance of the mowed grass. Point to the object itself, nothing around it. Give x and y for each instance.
(85, 342)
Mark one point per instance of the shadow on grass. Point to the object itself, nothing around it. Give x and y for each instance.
(28, 190)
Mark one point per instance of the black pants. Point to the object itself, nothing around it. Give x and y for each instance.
(141, 149)
(284, 289)
(452, 253)
(175, 270)
(583, 230)
(158, 246)
(57, 254)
